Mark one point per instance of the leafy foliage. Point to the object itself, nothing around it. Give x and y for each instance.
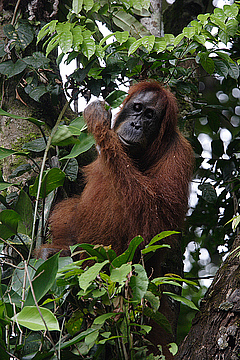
(97, 307)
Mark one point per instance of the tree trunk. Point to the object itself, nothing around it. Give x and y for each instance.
(215, 332)
(154, 23)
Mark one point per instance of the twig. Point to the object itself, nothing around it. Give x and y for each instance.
(35, 301)
(7, 243)
(15, 12)
(41, 172)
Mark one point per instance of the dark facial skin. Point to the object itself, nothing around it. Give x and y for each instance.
(139, 122)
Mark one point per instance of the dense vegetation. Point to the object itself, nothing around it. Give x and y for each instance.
(45, 304)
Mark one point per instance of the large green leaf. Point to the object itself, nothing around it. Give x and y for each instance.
(25, 33)
(51, 180)
(89, 275)
(139, 283)
(88, 46)
(8, 223)
(37, 60)
(231, 10)
(234, 70)
(159, 318)
(43, 280)
(10, 69)
(181, 299)
(31, 119)
(19, 275)
(119, 274)
(24, 209)
(115, 98)
(30, 318)
(129, 23)
(37, 145)
(86, 142)
(65, 41)
(77, 6)
(207, 62)
(102, 318)
(162, 235)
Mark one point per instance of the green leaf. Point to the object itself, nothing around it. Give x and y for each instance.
(128, 255)
(38, 92)
(234, 70)
(37, 145)
(10, 69)
(88, 46)
(71, 169)
(90, 275)
(129, 23)
(102, 318)
(220, 14)
(25, 33)
(208, 192)
(231, 10)
(8, 152)
(30, 318)
(77, 6)
(62, 134)
(203, 18)
(181, 299)
(30, 119)
(154, 248)
(65, 41)
(169, 38)
(53, 43)
(220, 67)
(159, 45)
(189, 32)
(105, 39)
(207, 63)
(173, 348)
(5, 185)
(232, 27)
(51, 180)
(201, 39)
(77, 37)
(148, 42)
(218, 22)
(161, 236)
(135, 46)
(121, 36)
(88, 4)
(115, 98)
(47, 29)
(120, 274)
(44, 279)
(139, 283)
(153, 300)
(37, 60)
(159, 318)
(197, 25)
(8, 223)
(217, 147)
(86, 142)
(24, 209)
(178, 39)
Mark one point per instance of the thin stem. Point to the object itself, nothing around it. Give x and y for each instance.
(35, 301)
(15, 12)
(42, 169)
